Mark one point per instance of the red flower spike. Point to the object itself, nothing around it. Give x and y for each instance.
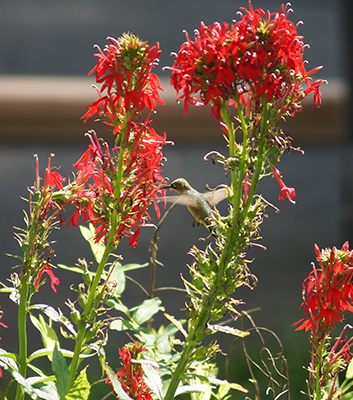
(327, 291)
(124, 70)
(261, 55)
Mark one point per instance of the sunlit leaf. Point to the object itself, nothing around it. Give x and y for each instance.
(81, 388)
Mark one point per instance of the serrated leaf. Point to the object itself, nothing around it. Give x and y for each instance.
(81, 388)
(227, 329)
(61, 372)
(118, 389)
(146, 310)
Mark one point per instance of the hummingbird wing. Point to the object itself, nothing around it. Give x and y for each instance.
(215, 196)
(212, 198)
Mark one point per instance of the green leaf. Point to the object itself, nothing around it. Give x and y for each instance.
(177, 323)
(117, 305)
(61, 372)
(146, 310)
(118, 389)
(131, 267)
(164, 337)
(45, 392)
(349, 373)
(117, 277)
(47, 352)
(49, 311)
(227, 329)
(48, 334)
(8, 360)
(152, 379)
(80, 389)
(224, 385)
(97, 248)
(72, 269)
(198, 388)
(122, 325)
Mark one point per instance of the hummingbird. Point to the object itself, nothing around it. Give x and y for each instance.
(199, 204)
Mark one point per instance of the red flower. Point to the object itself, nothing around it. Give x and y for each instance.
(52, 178)
(261, 56)
(130, 374)
(53, 279)
(140, 182)
(328, 291)
(124, 69)
(286, 192)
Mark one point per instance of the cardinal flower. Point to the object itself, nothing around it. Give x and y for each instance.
(259, 58)
(130, 374)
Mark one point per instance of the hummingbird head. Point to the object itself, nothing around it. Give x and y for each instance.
(180, 185)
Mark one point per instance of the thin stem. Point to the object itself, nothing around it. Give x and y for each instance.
(231, 132)
(80, 338)
(259, 159)
(22, 335)
(111, 246)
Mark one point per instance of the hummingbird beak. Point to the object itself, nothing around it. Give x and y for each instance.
(165, 187)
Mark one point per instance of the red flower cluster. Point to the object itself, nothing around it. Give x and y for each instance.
(94, 194)
(114, 191)
(130, 375)
(261, 56)
(328, 291)
(124, 69)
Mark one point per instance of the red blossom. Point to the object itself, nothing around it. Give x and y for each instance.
(128, 85)
(328, 291)
(54, 281)
(286, 192)
(52, 178)
(141, 180)
(130, 374)
(261, 56)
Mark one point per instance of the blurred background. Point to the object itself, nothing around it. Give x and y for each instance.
(46, 51)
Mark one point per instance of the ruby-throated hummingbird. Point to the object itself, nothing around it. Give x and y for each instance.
(200, 205)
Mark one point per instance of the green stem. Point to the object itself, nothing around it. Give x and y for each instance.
(22, 335)
(259, 159)
(110, 247)
(231, 132)
(81, 333)
(199, 330)
(319, 363)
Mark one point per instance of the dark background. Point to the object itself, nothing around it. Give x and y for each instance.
(57, 38)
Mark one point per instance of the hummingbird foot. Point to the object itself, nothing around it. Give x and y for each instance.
(196, 223)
